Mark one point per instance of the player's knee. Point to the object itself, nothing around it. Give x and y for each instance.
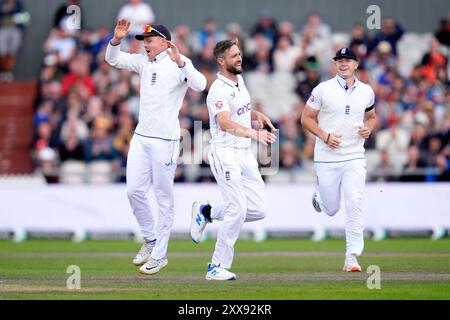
(255, 215)
(238, 207)
(354, 204)
(135, 194)
(331, 210)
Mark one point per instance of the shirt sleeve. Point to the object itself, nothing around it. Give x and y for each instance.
(194, 78)
(371, 103)
(217, 103)
(122, 60)
(315, 100)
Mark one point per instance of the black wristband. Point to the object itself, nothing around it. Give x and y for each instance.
(328, 138)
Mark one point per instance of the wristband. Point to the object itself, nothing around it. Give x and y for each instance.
(328, 138)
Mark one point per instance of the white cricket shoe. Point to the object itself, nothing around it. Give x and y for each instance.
(218, 273)
(351, 264)
(153, 266)
(144, 253)
(315, 202)
(198, 221)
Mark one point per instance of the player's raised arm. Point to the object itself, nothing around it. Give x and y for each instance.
(121, 30)
(194, 78)
(119, 59)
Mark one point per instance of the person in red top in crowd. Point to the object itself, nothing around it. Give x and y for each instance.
(433, 63)
(79, 77)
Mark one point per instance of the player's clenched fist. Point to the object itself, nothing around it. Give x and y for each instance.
(333, 140)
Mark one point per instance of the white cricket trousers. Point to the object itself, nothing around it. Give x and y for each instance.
(237, 175)
(152, 161)
(348, 177)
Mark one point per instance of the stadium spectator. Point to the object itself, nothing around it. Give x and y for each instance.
(267, 27)
(209, 33)
(384, 170)
(394, 140)
(390, 32)
(13, 20)
(138, 13)
(99, 146)
(60, 47)
(310, 68)
(360, 41)
(71, 148)
(319, 30)
(443, 33)
(182, 39)
(285, 55)
(79, 78)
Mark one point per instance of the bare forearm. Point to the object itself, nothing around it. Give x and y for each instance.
(312, 126)
(371, 123)
(237, 130)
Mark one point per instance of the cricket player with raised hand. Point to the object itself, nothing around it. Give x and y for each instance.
(340, 113)
(231, 160)
(152, 159)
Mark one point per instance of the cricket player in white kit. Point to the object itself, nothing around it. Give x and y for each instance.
(154, 149)
(231, 160)
(340, 113)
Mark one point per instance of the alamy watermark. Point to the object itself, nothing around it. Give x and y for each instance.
(74, 280)
(74, 17)
(373, 21)
(374, 280)
(194, 149)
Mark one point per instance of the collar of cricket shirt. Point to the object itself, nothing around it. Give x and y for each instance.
(343, 83)
(159, 56)
(227, 81)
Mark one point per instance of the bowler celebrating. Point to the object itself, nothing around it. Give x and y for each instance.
(152, 158)
(340, 113)
(231, 160)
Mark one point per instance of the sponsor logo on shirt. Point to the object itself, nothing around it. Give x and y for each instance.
(218, 105)
(244, 109)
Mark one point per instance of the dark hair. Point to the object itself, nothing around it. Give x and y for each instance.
(222, 46)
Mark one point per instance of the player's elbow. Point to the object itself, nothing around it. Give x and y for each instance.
(200, 84)
(110, 61)
(303, 119)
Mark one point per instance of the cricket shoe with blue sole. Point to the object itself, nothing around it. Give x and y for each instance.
(218, 273)
(198, 221)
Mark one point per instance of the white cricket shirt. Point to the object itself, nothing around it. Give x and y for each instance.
(227, 95)
(163, 87)
(341, 111)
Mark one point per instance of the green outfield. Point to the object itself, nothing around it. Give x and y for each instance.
(274, 269)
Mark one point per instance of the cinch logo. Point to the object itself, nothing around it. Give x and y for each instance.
(244, 109)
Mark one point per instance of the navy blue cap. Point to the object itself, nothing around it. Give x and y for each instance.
(154, 31)
(345, 53)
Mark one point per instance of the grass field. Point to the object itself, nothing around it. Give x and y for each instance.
(274, 269)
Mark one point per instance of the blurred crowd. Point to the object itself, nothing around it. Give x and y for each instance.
(86, 110)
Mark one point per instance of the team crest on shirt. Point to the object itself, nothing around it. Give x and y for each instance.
(218, 105)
